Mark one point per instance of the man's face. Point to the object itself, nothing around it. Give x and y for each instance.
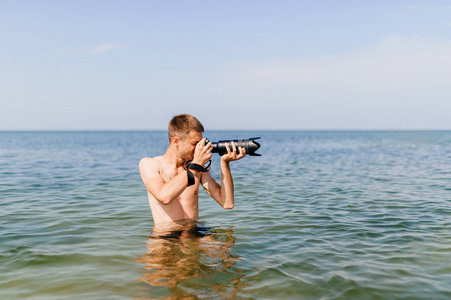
(188, 145)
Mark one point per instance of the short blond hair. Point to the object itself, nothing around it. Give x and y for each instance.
(181, 125)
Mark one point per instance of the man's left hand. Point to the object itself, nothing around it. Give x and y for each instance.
(232, 155)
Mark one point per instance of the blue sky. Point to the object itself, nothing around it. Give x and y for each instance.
(96, 65)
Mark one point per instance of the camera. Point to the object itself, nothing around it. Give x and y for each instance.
(250, 145)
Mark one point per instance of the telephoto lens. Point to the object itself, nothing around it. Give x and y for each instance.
(250, 145)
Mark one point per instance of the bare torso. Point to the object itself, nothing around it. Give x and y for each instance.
(184, 208)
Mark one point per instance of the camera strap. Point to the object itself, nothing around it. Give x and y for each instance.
(189, 165)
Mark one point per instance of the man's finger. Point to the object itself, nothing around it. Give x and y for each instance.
(242, 153)
(233, 147)
(228, 148)
(200, 143)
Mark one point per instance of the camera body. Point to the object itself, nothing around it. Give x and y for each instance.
(250, 145)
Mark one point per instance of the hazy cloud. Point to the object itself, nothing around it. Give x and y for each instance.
(397, 82)
(392, 64)
(101, 48)
(106, 47)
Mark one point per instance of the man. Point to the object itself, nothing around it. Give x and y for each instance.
(174, 204)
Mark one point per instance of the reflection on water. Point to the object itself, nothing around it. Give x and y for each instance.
(191, 262)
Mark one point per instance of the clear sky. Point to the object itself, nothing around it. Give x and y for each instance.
(95, 65)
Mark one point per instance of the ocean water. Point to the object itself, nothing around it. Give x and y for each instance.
(321, 215)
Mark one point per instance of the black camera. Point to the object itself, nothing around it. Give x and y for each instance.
(250, 145)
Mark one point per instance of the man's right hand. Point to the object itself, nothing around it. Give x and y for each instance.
(202, 152)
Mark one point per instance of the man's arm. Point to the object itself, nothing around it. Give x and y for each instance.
(224, 193)
(164, 192)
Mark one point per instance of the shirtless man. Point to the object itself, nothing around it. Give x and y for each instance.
(174, 204)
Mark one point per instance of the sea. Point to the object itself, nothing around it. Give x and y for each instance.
(319, 215)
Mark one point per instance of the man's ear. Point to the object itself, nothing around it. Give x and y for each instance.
(176, 141)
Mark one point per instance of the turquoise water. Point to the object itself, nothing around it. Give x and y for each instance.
(321, 215)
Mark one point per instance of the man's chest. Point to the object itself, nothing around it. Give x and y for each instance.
(169, 173)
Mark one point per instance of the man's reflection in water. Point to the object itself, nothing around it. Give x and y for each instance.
(191, 260)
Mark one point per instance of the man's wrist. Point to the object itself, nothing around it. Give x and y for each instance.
(195, 171)
(192, 165)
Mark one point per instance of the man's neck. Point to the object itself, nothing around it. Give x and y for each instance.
(172, 158)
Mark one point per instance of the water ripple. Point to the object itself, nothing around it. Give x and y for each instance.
(321, 215)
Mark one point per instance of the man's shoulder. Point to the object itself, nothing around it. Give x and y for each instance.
(150, 162)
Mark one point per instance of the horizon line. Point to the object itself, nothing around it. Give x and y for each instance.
(130, 130)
